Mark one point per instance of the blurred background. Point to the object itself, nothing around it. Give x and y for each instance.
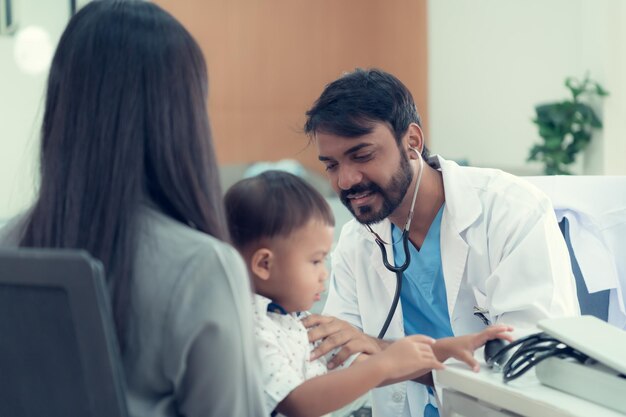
(477, 69)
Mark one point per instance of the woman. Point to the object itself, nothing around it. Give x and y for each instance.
(128, 173)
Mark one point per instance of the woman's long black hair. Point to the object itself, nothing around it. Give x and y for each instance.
(125, 124)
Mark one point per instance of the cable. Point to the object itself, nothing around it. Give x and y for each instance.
(530, 351)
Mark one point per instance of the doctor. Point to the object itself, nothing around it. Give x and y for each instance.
(484, 246)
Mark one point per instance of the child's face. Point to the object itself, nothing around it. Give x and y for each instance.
(299, 271)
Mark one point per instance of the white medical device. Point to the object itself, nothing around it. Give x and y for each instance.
(601, 378)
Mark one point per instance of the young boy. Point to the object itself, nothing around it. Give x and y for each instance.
(283, 228)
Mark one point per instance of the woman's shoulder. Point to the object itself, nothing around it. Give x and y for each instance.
(181, 270)
(172, 238)
(170, 252)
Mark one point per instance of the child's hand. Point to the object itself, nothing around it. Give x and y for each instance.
(463, 347)
(409, 358)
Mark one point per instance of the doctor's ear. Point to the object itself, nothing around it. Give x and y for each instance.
(261, 263)
(415, 141)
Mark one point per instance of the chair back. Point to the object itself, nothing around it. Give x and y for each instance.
(58, 351)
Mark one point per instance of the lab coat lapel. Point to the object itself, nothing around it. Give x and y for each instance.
(453, 259)
(462, 208)
(387, 277)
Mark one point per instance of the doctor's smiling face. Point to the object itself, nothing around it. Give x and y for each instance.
(370, 173)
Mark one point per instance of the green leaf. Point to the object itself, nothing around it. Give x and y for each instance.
(601, 91)
(534, 152)
(574, 87)
(553, 143)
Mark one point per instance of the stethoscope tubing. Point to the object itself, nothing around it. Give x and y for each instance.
(394, 305)
(398, 270)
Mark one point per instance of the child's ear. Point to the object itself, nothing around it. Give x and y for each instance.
(261, 263)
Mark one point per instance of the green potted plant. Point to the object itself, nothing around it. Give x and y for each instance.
(566, 126)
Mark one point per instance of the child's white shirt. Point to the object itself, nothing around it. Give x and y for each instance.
(284, 349)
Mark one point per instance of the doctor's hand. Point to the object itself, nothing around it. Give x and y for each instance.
(336, 333)
(462, 347)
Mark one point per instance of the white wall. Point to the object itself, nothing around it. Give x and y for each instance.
(615, 108)
(492, 61)
(604, 30)
(21, 106)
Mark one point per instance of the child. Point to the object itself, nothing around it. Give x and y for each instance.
(283, 228)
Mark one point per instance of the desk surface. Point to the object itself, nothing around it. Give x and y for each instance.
(525, 395)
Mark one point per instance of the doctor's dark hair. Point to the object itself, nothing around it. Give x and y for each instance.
(350, 105)
(272, 204)
(125, 125)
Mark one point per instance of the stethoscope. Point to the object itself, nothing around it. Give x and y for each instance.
(399, 270)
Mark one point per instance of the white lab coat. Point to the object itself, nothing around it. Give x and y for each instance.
(501, 250)
(595, 207)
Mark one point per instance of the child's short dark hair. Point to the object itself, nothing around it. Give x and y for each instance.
(273, 203)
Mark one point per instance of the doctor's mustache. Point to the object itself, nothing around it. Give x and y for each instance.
(358, 189)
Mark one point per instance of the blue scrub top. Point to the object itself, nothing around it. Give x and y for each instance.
(423, 294)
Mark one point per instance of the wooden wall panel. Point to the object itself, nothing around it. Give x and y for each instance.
(270, 59)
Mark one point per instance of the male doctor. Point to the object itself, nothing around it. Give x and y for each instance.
(484, 246)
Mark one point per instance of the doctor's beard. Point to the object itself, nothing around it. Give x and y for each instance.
(392, 195)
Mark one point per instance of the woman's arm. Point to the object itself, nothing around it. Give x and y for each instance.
(209, 347)
(221, 378)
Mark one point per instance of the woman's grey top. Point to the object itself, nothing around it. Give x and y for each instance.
(190, 348)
